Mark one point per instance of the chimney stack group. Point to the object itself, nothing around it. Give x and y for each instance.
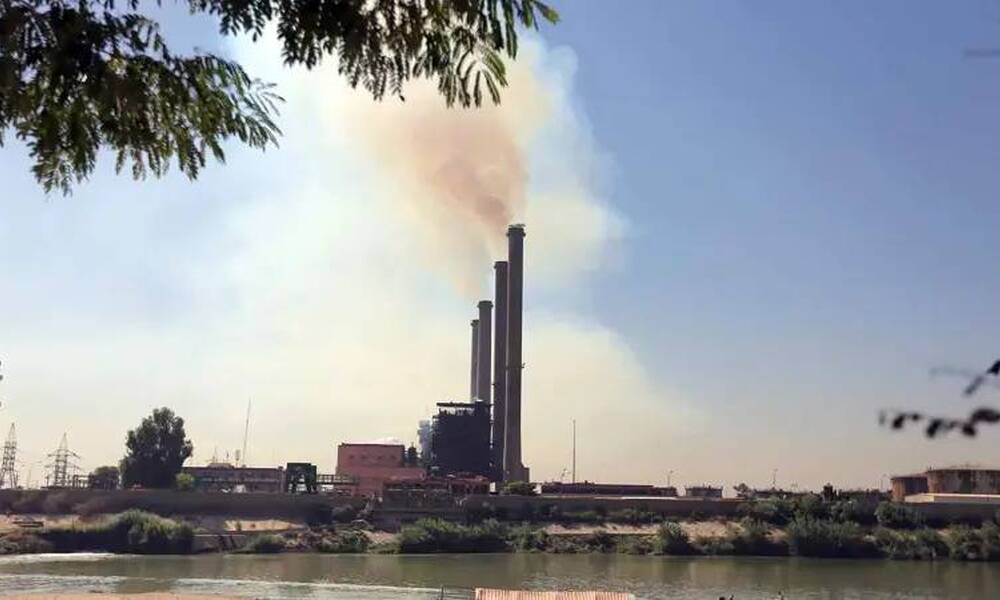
(513, 469)
(504, 347)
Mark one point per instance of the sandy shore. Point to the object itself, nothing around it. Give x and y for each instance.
(209, 523)
(102, 596)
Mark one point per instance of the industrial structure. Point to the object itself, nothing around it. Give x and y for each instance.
(482, 437)
(587, 488)
(947, 481)
(703, 491)
(8, 471)
(63, 468)
(460, 442)
(226, 477)
(366, 469)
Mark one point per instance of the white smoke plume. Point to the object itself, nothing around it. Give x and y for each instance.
(331, 282)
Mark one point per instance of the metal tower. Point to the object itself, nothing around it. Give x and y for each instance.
(8, 474)
(62, 463)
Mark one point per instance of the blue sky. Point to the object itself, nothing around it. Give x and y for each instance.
(792, 211)
(812, 189)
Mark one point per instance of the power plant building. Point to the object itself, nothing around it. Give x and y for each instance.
(460, 442)
(370, 466)
(483, 437)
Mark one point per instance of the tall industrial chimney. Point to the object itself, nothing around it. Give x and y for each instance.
(513, 469)
(500, 368)
(484, 368)
(474, 373)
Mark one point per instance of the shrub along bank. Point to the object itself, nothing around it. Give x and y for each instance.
(133, 532)
(768, 529)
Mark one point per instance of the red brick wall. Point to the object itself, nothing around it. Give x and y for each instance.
(374, 464)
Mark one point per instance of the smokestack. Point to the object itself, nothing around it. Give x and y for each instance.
(485, 340)
(500, 368)
(474, 373)
(513, 469)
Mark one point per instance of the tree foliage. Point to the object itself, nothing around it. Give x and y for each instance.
(77, 76)
(155, 451)
(106, 478)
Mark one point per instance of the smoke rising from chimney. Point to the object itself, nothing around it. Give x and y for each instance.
(461, 175)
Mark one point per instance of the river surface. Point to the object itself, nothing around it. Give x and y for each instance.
(317, 576)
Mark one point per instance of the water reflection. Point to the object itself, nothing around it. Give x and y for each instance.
(396, 577)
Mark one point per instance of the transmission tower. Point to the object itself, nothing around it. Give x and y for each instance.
(63, 462)
(8, 473)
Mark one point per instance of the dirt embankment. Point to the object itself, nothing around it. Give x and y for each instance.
(695, 529)
(201, 524)
(101, 596)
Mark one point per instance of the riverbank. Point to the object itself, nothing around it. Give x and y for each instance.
(102, 596)
(136, 532)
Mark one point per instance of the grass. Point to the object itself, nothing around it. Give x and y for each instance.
(436, 535)
(671, 538)
(133, 532)
(344, 542)
(828, 539)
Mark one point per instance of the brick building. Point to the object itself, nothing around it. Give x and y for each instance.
(370, 466)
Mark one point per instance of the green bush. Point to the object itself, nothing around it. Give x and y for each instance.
(267, 543)
(520, 488)
(436, 535)
(811, 506)
(672, 539)
(132, 531)
(923, 544)
(754, 539)
(975, 544)
(184, 482)
(897, 516)
(813, 537)
(350, 541)
(526, 538)
(852, 511)
(776, 511)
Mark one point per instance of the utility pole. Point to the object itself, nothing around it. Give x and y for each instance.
(774, 479)
(246, 430)
(574, 450)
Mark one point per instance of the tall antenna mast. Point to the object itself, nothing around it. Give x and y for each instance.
(246, 430)
(574, 450)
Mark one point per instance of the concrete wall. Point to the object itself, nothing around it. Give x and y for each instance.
(167, 502)
(941, 513)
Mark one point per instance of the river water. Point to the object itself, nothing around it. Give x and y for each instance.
(374, 577)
